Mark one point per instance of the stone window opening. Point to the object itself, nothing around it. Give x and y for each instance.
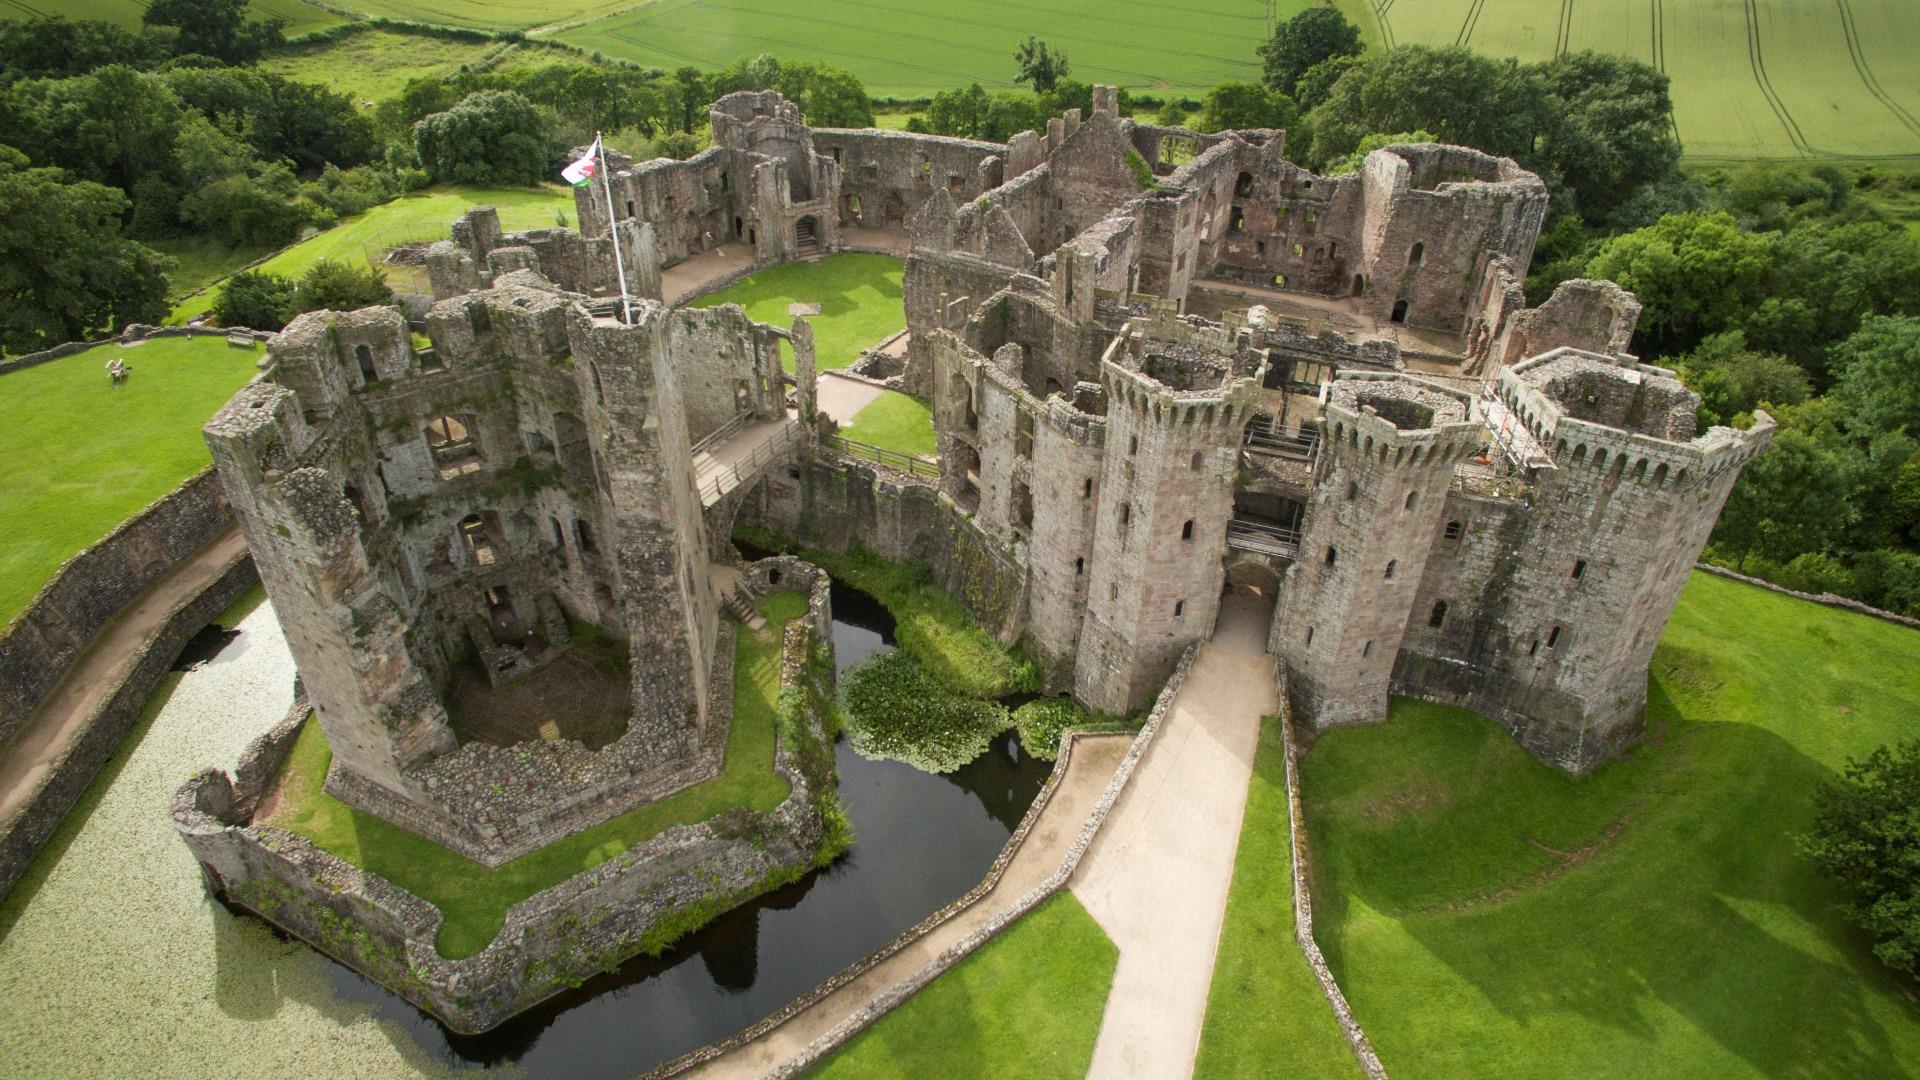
(1126, 514)
(352, 495)
(1353, 490)
(629, 207)
(1133, 444)
(583, 535)
(1333, 554)
(1279, 281)
(599, 390)
(1413, 257)
(559, 539)
(1113, 591)
(1309, 635)
(1298, 250)
(1412, 497)
(723, 181)
(957, 186)
(1439, 615)
(1079, 566)
(1399, 311)
(1392, 565)
(1179, 609)
(1366, 650)
(1359, 284)
(1579, 569)
(753, 237)
(1553, 638)
(1237, 220)
(451, 444)
(1023, 434)
(1534, 649)
(1454, 530)
(1186, 531)
(1260, 248)
(1022, 508)
(793, 472)
(739, 226)
(1243, 185)
(742, 396)
(1086, 488)
(368, 376)
(1198, 460)
(478, 539)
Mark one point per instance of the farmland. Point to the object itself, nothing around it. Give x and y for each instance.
(300, 17)
(1751, 78)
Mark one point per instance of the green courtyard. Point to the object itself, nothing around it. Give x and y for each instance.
(85, 454)
(858, 294)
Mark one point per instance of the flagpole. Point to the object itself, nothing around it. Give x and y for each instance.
(613, 231)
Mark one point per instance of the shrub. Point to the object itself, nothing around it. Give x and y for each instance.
(341, 287)
(1866, 835)
(894, 709)
(255, 299)
(1043, 721)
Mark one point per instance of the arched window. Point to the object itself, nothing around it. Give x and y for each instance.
(1454, 529)
(1412, 497)
(1243, 185)
(1413, 257)
(1186, 531)
(1198, 458)
(1439, 615)
(1392, 565)
(1179, 608)
(1333, 555)
(1399, 311)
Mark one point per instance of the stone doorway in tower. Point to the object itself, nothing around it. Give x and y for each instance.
(1247, 603)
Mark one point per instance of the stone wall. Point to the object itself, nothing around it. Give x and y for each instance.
(61, 786)
(588, 923)
(43, 641)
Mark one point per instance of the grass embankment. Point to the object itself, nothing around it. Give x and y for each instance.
(475, 899)
(858, 294)
(1027, 1004)
(376, 64)
(1652, 919)
(929, 624)
(1266, 1015)
(424, 215)
(894, 421)
(83, 454)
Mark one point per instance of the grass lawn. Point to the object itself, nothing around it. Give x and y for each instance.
(84, 455)
(894, 421)
(202, 260)
(1651, 919)
(1027, 1004)
(424, 215)
(1266, 1015)
(929, 624)
(858, 294)
(475, 899)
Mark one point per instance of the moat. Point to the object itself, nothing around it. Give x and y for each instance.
(921, 840)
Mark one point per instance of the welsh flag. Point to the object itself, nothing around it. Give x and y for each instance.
(580, 172)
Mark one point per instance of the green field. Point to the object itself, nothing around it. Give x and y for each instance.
(84, 455)
(858, 294)
(895, 421)
(1751, 78)
(376, 64)
(475, 899)
(910, 49)
(1027, 1004)
(425, 215)
(1652, 919)
(299, 17)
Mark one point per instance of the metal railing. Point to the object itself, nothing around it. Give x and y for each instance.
(880, 455)
(1249, 534)
(1262, 435)
(731, 476)
(724, 432)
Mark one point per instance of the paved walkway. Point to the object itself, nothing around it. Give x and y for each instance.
(842, 398)
(1092, 766)
(96, 676)
(695, 273)
(1156, 878)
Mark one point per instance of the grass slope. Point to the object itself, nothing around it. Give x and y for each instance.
(474, 899)
(375, 64)
(83, 455)
(894, 421)
(858, 294)
(1027, 1004)
(424, 215)
(1266, 1015)
(1751, 78)
(911, 49)
(1651, 919)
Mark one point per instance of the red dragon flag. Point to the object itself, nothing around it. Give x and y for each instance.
(581, 172)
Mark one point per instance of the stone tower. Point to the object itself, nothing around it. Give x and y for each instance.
(1389, 450)
(1177, 397)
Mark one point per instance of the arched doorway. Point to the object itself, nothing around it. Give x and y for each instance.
(1399, 311)
(1247, 602)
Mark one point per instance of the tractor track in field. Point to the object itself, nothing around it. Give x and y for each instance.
(1774, 101)
(1867, 78)
(1563, 33)
(1658, 57)
(1380, 9)
(1468, 24)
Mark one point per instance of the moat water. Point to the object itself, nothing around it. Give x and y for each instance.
(113, 962)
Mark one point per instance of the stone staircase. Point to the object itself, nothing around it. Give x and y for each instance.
(806, 246)
(740, 602)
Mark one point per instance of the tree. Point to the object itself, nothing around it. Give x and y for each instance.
(1866, 835)
(56, 47)
(339, 286)
(1317, 81)
(959, 112)
(1243, 106)
(1353, 161)
(216, 28)
(1792, 499)
(491, 137)
(1879, 375)
(677, 145)
(116, 126)
(1695, 273)
(1315, 35)
(66, 271)
(1615, 134)
(1732, 379)
(255, 299)
(1040, 66)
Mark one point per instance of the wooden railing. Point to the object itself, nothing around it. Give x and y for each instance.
(893, 459)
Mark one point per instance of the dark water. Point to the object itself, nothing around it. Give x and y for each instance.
(920, 841)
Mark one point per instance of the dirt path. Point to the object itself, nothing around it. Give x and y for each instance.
(1092, 766)
(99, 671)
(1156, 879)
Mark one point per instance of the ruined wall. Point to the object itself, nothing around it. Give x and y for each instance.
(886, 176)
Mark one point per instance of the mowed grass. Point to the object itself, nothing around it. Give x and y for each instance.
(475, 899)
(1752, 79)
(426, 215)
(299, 17)
(1266, 1015)
(910, 49)
(894, 421)
(1652, 919)
(1027, 1004)
(83, 454)
(858, 294)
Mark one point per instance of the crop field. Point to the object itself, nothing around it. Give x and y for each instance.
(300, 17)
(1751, 78)
(905, 48)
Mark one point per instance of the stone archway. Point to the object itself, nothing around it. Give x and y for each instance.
(1247, 603)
